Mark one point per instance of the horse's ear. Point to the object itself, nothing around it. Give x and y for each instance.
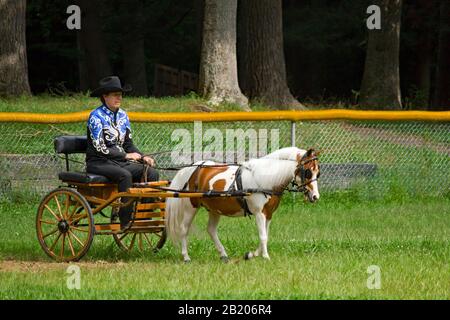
(313, 151)
(299, 157)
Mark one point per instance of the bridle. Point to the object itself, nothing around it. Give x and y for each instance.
(305, 174)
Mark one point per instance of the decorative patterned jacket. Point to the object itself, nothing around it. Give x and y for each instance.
(109, 135)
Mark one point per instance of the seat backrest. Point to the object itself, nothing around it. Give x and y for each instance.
(70, 144)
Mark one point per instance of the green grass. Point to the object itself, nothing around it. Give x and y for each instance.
(46, 103)
(81, 102)
(317, 251)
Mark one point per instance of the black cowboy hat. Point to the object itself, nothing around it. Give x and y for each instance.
(110, 84)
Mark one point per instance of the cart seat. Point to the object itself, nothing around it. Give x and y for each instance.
(82, 177)
(70, 145)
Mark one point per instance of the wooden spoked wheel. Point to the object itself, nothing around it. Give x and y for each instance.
(65, 225)
(142, 240)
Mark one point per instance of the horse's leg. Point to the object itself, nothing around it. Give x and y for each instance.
(263, 228)
(267, 228)
(267, 237)
(188, 216)
(212, 230)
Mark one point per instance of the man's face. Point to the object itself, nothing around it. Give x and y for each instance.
(113, 100)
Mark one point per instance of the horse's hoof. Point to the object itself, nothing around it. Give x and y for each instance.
(187, 261)
(247, 256)
(225, 259)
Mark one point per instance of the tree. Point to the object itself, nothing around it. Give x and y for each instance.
(93, 60)
(135, 74)
(262, 69)
(13, 52)
(380, 87)
(218, 79)
(420, 28)
(442, 93)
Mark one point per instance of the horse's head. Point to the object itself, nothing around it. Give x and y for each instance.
(307, 174)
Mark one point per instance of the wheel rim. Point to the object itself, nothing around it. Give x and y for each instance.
(141, 241)
(65, 225)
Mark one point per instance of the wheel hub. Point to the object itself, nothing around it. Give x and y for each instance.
(63, 226)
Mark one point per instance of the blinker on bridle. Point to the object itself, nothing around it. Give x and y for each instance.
(305, 174)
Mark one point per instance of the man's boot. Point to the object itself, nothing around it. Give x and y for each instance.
(125, 217)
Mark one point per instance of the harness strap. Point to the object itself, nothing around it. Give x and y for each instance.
(235, 190)
(241, 200)
(193, 172)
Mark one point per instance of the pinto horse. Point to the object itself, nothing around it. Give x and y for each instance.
(264, 178)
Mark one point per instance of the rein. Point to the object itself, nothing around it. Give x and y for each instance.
(300, 188)
(295, 186)
(243, 192)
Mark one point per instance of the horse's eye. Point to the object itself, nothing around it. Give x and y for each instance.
(308, 174)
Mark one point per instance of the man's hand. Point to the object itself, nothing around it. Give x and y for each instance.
(133, 156)
(149, 160)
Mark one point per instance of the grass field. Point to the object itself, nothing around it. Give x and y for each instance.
(81, 102)
(47, 103)
(319, 251)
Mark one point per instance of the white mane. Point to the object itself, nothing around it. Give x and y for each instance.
(274, 169)
(289, 153)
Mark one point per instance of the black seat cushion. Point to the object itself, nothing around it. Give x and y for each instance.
(70, 144)
(83, 177)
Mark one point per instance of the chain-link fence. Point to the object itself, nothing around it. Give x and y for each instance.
(375, 156)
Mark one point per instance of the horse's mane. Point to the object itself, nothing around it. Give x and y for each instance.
(269, 172)
(289, 153)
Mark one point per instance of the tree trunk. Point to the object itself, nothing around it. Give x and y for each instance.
(262, 68)
(94, 61)
(419, 56)
(423, 57)
(13, 49)
(133, 47)
(218, 66)
(83, 72)
(423, 71)
(199, 8)
(380, 88)
(442, 94)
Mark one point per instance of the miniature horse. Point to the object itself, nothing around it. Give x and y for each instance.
(270, 175)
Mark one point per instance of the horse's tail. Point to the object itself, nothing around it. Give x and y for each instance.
(177, 207)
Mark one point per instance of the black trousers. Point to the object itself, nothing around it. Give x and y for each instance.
(122, 173)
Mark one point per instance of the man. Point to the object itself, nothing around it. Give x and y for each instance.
(110, 149)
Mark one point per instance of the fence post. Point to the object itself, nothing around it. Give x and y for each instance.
(293, 142)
